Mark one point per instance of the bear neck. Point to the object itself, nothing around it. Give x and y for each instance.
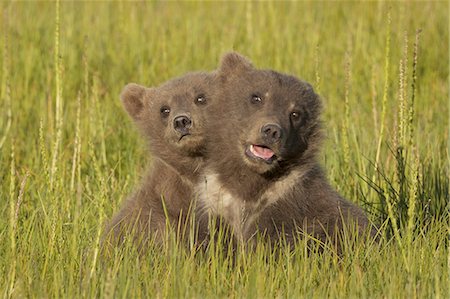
(186, 166)
(249, 186)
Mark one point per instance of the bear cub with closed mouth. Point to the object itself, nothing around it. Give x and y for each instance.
(171, 118)
(261, 173)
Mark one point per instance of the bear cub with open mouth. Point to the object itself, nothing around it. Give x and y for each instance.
(261, 173)
(171, 118)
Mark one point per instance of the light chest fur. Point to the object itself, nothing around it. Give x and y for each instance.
(214, 199)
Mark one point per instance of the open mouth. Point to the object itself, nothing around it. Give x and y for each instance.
(260, 152)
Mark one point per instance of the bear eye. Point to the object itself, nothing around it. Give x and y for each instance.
(165, 111)
(200, 99)
(256, 99)
(295, 115)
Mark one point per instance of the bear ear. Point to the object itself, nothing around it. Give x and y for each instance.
(234, 62)
(132, 97)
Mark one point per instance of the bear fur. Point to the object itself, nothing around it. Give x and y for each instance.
(261, 174)
(172, 120)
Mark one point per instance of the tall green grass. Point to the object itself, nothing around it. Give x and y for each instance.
(69, 154)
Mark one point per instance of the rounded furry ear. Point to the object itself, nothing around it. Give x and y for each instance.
(234, 62)
(132, 97)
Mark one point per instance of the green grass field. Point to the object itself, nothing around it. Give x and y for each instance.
(69, 154)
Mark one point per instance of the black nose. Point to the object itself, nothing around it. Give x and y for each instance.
(182, 123)
(271, 133)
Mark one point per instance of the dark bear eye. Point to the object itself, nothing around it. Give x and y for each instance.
(256, 99)
(295, 115)
(200, 100)
(165, 111)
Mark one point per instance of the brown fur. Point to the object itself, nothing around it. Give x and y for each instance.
(286, 196)
(167, 190)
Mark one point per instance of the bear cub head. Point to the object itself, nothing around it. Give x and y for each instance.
(273, 116)
(171, 115)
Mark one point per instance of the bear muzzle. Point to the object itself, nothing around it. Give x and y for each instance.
(271, 133)
(182, 124)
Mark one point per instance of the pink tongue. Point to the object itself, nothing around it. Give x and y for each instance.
(261, 152)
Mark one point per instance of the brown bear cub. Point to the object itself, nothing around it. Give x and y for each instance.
(261, 174)
(171, 118)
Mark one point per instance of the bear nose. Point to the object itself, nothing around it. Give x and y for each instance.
(182, 123)
(271, 133)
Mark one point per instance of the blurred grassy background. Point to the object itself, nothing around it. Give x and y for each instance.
(69, 154)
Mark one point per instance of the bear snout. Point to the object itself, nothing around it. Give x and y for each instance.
(182, 123)
(271, 133)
